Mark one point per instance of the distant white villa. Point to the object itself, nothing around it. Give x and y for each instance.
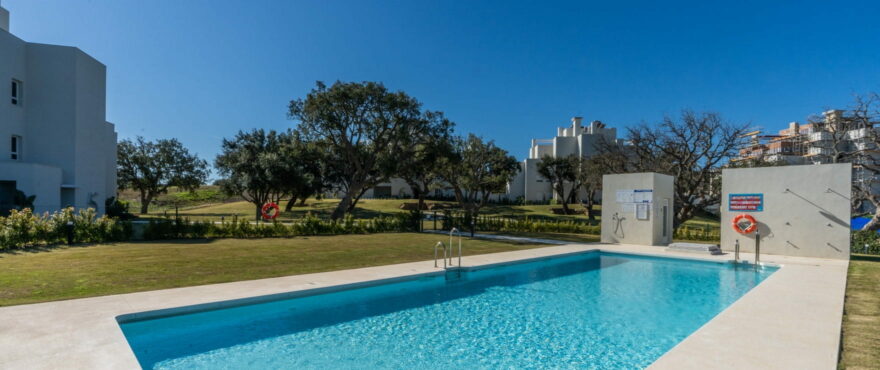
(574, 140)
(55, 141)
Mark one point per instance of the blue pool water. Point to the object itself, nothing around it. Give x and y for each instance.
(593, 310)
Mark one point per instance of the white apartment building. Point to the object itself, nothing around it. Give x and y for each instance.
(55, 141)
(528, 183)
(573, 140)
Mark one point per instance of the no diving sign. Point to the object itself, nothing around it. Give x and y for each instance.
(745, 202)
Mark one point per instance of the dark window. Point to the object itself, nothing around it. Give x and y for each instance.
(16, 92)
(16, 147)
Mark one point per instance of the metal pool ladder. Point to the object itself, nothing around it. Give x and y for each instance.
(448, 251)
(454, 231)
(440, 244)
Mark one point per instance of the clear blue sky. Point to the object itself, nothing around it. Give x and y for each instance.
(200, 70)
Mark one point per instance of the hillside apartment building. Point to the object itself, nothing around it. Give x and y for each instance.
(55, 141)
(816, 143)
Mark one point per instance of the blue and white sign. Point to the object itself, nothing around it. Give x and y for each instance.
(745, 202)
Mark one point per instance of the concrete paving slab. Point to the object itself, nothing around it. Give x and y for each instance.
(791, 320)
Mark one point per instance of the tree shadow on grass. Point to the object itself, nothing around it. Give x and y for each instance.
(865, 257)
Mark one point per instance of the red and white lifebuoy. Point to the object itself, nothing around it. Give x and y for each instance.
(267, 208)
(738, 221)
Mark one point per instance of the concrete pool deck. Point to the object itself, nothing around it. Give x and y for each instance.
(791, 320)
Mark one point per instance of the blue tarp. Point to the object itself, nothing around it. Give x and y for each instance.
(858, 223)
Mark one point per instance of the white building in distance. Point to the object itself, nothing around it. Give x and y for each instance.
(528, 183)
(55, 141)
(577, 140)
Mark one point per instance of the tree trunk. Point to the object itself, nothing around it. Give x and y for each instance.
(421, 206)
(290, 204)
(146, 199)
(259, 212)
(560, 191)
(347, 203)
(590, 202)
(684, 213)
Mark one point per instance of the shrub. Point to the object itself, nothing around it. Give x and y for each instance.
(462, 221)
(23, 229)
(178, 228)
(117, 208)
(865, 241)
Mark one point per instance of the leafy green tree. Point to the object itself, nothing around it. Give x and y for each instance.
(421, 160)
(476, 169)
(365, 127)
(254, 165)
(561, 171)
(152, 167)
(589, 177)
(309, 178)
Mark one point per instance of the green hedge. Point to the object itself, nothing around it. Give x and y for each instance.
(698, 233)
(462, 221)
(862, 238)
(24, 229)
(182, 228)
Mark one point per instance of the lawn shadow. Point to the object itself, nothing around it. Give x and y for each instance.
(865, 257)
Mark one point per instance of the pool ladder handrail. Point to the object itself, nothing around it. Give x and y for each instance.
(440, 244)
(451, 232)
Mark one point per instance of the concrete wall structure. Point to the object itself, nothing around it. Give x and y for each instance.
(805, 210)
(637, 208)
(65, 150)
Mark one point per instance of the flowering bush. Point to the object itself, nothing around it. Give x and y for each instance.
(23, 229)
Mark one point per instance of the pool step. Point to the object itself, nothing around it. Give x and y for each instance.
(454, 274)
(694, 248)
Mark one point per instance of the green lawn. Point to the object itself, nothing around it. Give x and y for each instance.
(861, 318)
(85, 271)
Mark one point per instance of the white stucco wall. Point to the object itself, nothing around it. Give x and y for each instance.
(619, 221)
(61, 120)
(806, 209)
(36, 179)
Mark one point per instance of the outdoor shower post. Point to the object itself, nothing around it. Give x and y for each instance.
(736, 252)
(757, 248)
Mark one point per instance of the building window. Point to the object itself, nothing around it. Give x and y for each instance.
(15, 153)
(16, 92)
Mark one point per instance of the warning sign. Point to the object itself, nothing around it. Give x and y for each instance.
(746, 202)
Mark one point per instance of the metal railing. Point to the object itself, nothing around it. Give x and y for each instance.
(440, 244)
(451, 232)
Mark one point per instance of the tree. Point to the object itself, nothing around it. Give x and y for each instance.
(589, 177)
(364, 126)
(422, 157)
(22, 200)
(559, 171)
(475, 170)
(691, 149)
(152, 167)
(308, 177)
(254, 166)
(865, 114)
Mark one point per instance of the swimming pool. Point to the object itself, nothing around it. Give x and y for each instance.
(596, 309)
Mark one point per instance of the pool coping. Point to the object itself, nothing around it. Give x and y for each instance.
(791, 320)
